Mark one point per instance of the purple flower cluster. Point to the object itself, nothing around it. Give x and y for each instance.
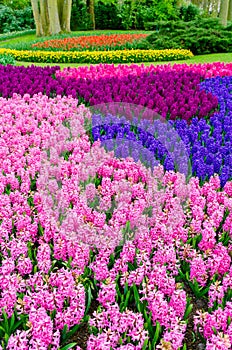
(150, 143)
(207, 142)
(210, 144)
(173, 94)
(33, 80)
(211, 141)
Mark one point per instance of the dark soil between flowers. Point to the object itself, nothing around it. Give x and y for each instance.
(193, 342)
(82, 335)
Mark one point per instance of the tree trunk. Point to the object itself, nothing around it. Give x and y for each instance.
(51, 16)
(44, 19)
(54, 19)
(215, 8)
(90, 7)
(66, 16)
(179, 3)
(224, 12)
(230, 11)
(206, 6)
(36, 14)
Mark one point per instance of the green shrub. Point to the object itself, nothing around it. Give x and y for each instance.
(134, 14)
(107, 16)
(202, 36)
(80, 19)
(6, 59)
(25, 18)
(16, 4)
(15, 20)
(189, 13)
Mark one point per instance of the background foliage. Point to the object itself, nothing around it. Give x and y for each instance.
(15, 19)
(201, 36)
(17, 15)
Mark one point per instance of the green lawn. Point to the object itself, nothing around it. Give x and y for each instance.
(25, 39)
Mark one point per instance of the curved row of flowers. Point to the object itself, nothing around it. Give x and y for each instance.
(117, 56)
(78, 224)
(91, 42)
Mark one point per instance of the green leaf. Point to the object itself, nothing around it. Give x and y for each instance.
(5, 322)
(131, 266)
(118, 291)
(188, 311)
(196, 286)
(2, 329)
(214, 330)
(64, 332)
(68, 346)
(127, 299)
(182, 275)
(17, 324)
(12, 321)
(203, 292)
(136, 294)
(53, 314)
(126, 288)
(120, 341)
(127, 226)
(89, 299)
(6, 337)
(73, 330)
(145, 344)
(29, 252)
(94, 330)
(157, 332)
(150, 327)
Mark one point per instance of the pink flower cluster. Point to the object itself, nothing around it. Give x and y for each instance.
(216, 327)
(118, 327)
(207, 70)
(66, 206)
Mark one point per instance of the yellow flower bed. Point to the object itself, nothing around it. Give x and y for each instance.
(119, 56)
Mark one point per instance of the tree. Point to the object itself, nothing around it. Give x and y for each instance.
(214, 5)
(90, 9)
(230, 11)
(224, 12)
(51, 16)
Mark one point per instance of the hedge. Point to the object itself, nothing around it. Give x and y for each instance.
(202, 36)
(120, 56)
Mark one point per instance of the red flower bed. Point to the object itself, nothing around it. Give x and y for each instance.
(88, 42)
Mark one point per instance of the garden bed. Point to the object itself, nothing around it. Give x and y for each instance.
(117, 56)
(101, 247)
(91, 43)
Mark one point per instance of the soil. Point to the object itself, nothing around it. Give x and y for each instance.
(82, 335)
(192, 342)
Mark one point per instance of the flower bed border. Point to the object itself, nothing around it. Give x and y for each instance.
(118, 56)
